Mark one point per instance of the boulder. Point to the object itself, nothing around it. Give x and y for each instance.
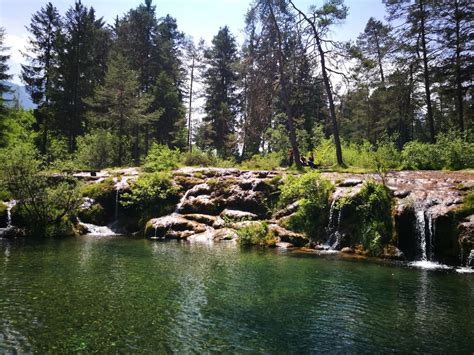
(172, 227)
(237, 215)
(393, 253)
(225, 234)
(202, 218)
(288, 210)
(296, 239)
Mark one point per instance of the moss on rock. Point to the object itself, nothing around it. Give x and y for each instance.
(367, 218)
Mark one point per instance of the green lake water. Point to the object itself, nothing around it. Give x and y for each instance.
(124, 295)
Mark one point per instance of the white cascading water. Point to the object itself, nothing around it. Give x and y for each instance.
(9, 226)
(421, 232)
(97, 231)
(10, 205)
(425, 235)
(333, 226)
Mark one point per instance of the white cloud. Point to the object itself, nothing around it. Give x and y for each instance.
(16, 45)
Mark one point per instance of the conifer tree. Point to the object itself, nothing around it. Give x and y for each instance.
(38, 75)
(118, 106)
(4, 88)
(82, 65)
(221, 105)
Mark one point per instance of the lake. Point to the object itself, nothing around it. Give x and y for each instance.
(116, 294)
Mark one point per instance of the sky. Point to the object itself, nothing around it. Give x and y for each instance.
(197, 18)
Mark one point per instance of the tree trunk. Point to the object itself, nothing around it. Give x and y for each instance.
(327, 86)
(459, 95)
(426, 74)
(284, 92)
(190, 146)
(379, 59)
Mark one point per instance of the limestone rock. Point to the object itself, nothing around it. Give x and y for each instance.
(172, 227)
(297, 239)
(237, 215)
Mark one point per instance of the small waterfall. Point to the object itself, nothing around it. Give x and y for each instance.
(97, 231)
(10, 205)
(9, 227)
(421, 232)
(332, 229)
(425, 228)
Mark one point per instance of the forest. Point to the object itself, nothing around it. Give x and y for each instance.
(399, 96)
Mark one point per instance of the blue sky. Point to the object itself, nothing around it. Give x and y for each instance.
(198, 18)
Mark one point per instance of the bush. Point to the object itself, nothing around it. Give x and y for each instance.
(271, 161)
(313, 192)
(256, 234)
(198, 158)
(47, 206)
(97, 150)
(161, 158)
(418, 155)
(455, 152)
(153, 192)
(450, 152)
(368, 217)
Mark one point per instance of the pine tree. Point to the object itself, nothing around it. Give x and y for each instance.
(118, 106)
(4, 88)
(221, 105)
(319, 22)
(375, 44)
(82, 65)
(38, 75)
(416, 37)
(455, 21)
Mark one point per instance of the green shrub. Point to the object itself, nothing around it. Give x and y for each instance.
(271, 161)
(313, 192)
(418, 155)
(47, 206)
(256, 234)
(455, 152)
(161, 158)
(368, 217)
(198, 158)
(451, 152)
(152, 192)
(97, 150)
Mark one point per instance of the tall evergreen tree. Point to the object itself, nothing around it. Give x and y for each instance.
(375, 44)
(82, 65)
(4, 88)
(455, 22)
(319, 22)
(416, 36)
(38, 75)
(221, 105)
(118, 106)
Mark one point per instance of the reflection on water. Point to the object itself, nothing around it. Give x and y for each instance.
(124, 295)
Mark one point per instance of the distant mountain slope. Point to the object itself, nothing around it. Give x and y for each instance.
(22, 95)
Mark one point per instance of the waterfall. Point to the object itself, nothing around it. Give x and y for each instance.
(425, 228)
(421, 232)
(97, 231)
(10, 205)
(9, 226)
(333, 226)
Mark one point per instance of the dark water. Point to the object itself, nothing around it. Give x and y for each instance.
(117, 294)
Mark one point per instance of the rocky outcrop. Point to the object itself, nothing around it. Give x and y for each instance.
(214, 203)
